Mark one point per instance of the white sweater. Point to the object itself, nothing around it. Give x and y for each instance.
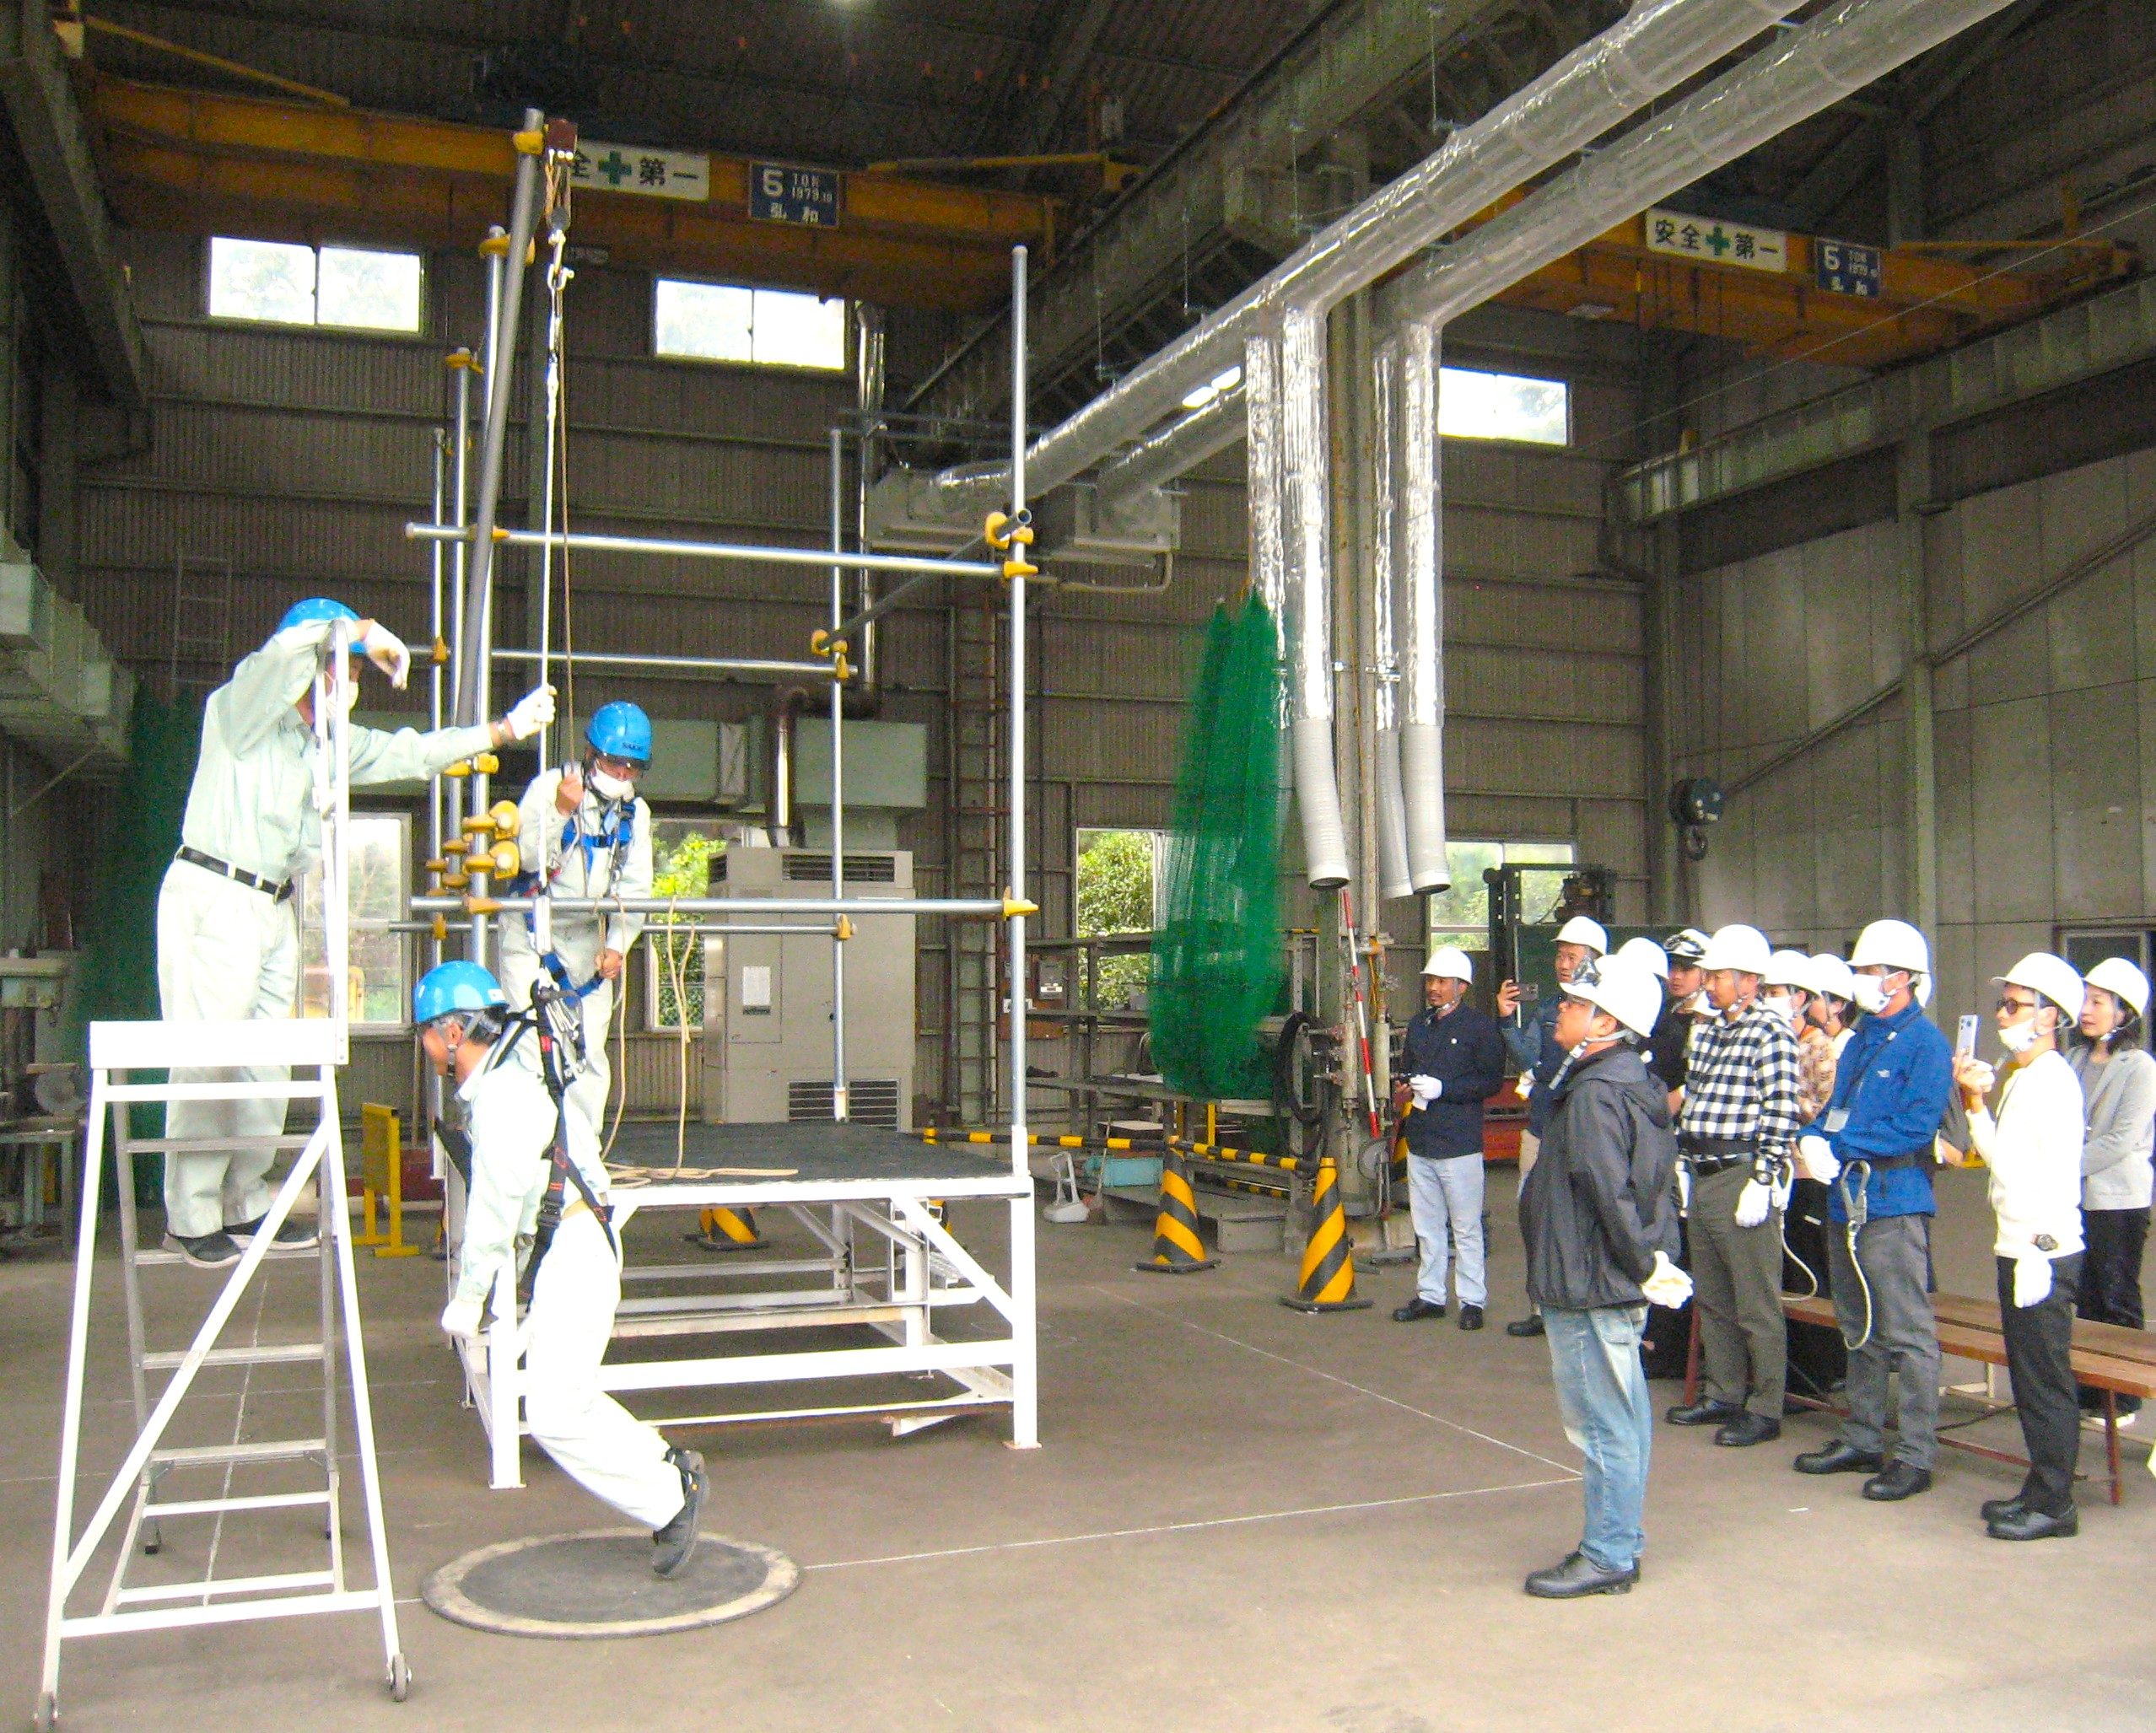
(2034, 1151)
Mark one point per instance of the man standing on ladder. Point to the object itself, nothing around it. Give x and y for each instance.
(585, 833)
(227, 935)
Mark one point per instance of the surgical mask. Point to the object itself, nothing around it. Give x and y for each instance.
(2019, 1037)
(1871, 994)
(1781, 1005)
(608, 788)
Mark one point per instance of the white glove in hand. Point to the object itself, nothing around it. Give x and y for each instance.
(1427, 1089)
(1981, 1075)
(2032, 1280)
(1525, 1083)
(1666, 1284)
(1816, 1157)
(461, 1319)
(386, 651)
(534, 711)
(1753, 1204)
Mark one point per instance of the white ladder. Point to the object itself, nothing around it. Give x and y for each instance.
(117, 1050)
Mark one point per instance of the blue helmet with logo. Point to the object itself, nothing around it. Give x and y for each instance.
(449, 987)
(620, 730)
(319, 607)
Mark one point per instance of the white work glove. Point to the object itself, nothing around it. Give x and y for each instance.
(1525, 1084)
(1666, 1284)
(2032, 1280)
(1816, 1157)
(461, 1319)
(1426, 1089)
(1753, 1202)
(386, 651)
(1980, 1075)
(534, 711)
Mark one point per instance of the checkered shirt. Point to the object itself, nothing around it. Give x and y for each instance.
(1743, 1081)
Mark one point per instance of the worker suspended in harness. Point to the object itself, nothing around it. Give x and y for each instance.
(536, 1179)
(583, 834)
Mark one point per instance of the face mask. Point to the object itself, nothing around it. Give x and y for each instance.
(610, 788)
(1781, 1005)
(1871, 992)
(2019, 1037)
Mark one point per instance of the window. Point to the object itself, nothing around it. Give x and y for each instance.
(681, 852)
(1461, 916)
(1119, 892)
(282, 284)
(379, 982)
(719, 321)
(1473, 405)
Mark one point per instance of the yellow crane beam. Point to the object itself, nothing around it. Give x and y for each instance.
(199, 161)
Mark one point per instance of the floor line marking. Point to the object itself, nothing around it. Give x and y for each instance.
(1345, 1383)
(1173, 1528)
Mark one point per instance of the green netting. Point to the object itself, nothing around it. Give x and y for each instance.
(1216, 963)
(119, 947)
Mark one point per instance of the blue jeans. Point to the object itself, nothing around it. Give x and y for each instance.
(1602, 1396)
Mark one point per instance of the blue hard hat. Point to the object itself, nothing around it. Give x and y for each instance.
(319, 607)
(455, 987)
(620, 730)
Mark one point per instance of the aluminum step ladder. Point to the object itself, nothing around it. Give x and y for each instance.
(118, 1053)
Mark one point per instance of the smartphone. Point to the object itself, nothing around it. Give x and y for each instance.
(1965, 1040)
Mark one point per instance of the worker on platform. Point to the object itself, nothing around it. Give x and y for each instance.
(1453, 1061)
(228, 937)
(537, 1181)
(584, 832)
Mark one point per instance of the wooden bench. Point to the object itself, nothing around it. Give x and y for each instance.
(2117, 1361)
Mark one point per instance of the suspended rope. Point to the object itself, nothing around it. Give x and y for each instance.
(1216, 959)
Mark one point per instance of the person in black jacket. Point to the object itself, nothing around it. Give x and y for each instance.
(1599, 1217)
(1453, 1061)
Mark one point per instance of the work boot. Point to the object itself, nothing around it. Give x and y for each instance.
(1470, 1316)
(672, 1545)
(1708, 1411)
(292, 1237)
(1901, 1480)
(1579, 1576)
(1418, 1308)
(206, 1251)
(1530, 1326)
(1839, 1458)
(1999, 1509)
(2027, 1525)
(1748, 1428)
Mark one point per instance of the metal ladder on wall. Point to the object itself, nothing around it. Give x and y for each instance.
(117, 1050)
(202, 624)
(975, 853)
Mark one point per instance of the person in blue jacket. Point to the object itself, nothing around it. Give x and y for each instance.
(1535, 1049)
(1874, 1149)
(1452, 1061)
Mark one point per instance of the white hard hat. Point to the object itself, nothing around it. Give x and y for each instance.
(1792, 968)
(1580, 930)
(2054, 977)
(1830, 975)
(1625, 990)
(1891, 944)
(1647, 954)
(2120, 978)
(1739, 947)
(1688, 946)
(1451, 962)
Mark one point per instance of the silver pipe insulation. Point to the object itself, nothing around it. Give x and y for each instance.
(1393, 877)
(868, 404)
(1305, 534)
(1421, 562)
(1660, 43)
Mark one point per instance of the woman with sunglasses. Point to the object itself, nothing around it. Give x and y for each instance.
(2118, 1088)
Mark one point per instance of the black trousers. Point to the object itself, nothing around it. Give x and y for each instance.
(2111, 1279)
(2039, 1359)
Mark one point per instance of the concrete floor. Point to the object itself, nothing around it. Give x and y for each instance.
(1243, 1518)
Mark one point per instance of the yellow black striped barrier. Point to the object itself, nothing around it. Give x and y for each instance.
(1258, 1188)
(727, 1231)
(1221, 1152)
(1327, 1284)
(1176, 1249)
(930, 1134)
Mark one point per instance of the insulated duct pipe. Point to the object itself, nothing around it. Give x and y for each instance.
(1420, 557)
(1657, 45)
(1393, 875)
(1306, 528)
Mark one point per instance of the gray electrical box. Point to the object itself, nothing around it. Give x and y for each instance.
(767, 1038)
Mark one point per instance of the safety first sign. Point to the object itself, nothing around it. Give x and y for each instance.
(1714, 242)
(638, 168)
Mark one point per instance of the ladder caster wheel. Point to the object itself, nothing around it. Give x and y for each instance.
(400, 1679)
(48, 1713)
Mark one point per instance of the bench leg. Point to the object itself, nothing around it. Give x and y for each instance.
(2111, 1445)
(1692, 1360)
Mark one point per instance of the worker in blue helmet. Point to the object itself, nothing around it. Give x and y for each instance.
(585, 833)
(536, 1180)
(227, 941)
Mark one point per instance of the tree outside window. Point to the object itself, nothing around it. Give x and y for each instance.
(1118, 884)
(1460, 917)
(681, 867)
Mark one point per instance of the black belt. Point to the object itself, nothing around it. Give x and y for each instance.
(1708, 1156)
(1879, 1163)
(239, 875)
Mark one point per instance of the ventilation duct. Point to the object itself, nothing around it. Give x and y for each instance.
(1392, 877)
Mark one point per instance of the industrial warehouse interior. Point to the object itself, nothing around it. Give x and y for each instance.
(1075, 864)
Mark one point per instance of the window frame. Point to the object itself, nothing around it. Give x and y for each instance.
(417, 331)
(810, 370)
(1566, 443)
(1476, 938)
(311, 931)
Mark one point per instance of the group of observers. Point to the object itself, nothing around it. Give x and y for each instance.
(1678, 1092)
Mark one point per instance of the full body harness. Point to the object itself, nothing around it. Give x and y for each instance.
(617, 829)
